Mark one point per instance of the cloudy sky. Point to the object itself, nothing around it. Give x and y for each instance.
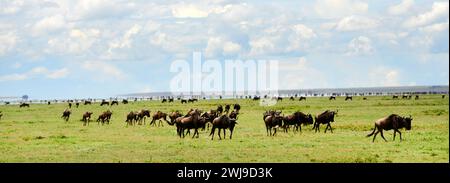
(100, 48)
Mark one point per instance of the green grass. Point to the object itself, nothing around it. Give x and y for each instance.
(38, 134)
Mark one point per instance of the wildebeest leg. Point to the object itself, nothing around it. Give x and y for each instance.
(231, 133)
(267, 130)
(212, 132)
(376, 133)
(395, 131)
(400, 135)
(381, 133)
(224, 136)
(299, 127)
(275, 131)
(220, 138)
(329, 124)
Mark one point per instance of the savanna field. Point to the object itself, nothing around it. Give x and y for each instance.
(38, 134)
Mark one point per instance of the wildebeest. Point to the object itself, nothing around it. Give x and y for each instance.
(297, 119)
(86, 118)
(170, 100)
(192, 120)
(66, 115)
(173, 116)
(332, 98)
(142, 114)
(279, 98)
(348, 98)
(417, 97)
(395, 97)
(237, 107)
(124, 101)
(164, 100)
(104, 103)
(192, 100)
(7, 103)
(131, 118)
(223, 123)
(24, 105)
(364, 98)
(87, 102)
(219, 109)
(77, 104)
(158, 116)
(114, 102)
(210, 116)
(70, 105)
(394, 122)
(405, 97)
(291, 98)
(104, 117)
(443, 96)
(324, 118)
(1, 115)
(183, 101)
(302, 98)
(256, 98)
(272, 119)
(48, 103)
(227, 108)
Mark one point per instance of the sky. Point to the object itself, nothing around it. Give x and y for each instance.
(101, 48)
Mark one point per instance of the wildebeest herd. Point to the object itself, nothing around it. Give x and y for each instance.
(222, 119)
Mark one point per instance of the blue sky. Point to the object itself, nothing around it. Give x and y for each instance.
(100, 48)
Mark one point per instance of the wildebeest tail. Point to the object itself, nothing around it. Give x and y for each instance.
(375, 128)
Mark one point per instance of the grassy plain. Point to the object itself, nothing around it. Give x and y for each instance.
(38, 134)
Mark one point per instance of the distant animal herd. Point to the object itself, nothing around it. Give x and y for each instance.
(222, 119)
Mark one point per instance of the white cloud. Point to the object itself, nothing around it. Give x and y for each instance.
(360, 46)
(188, 11)
(104, 70)
(49, 25)
(439, 9)
(382, 76)
(11, 6)
(298, 73)
(355, 23)
(340, 8)
(219, 46)
(8, 42)
(438, 27)
(401, 8)
(35, 72)
(230, 48)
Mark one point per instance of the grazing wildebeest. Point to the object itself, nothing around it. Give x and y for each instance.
(1, 115)
(104, 103)
(124, 101)
(417, 97)
(325, 118)
(227, 108)
(302, 98)
(170, 100)
(219, 109)
(395, 97)
(405, 97)
(292, 98)
(183, 101)
(332, 98)
(394, 122)
(237, 107)
(24, 105)
(86, 118)
(70, 105)
(173, 116)
(191, 100)
(164, 100)
(409, 96)
(348, 98)
(114, 102)
(131, 118)
(87, 102)
(142, 115)
(279, 98)
(256, 98)
(7, 103)
(364, 98)
(297, 119)
(104, 117)
(48, 103)
(223, 123)
(66, 115)
(443, 96)
(77, 104)
(272, 119)
(158, 116)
